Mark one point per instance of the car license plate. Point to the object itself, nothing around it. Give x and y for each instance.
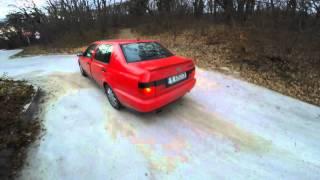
(177, 78)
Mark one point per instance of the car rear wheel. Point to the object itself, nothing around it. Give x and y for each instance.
(113, 100)
(83, 73)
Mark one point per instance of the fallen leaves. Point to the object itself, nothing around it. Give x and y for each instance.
(271, 60)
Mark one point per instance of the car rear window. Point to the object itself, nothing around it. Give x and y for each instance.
(142, 51)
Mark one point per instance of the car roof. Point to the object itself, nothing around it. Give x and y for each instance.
(122, 41)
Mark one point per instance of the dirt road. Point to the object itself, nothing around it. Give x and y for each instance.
(225, 128)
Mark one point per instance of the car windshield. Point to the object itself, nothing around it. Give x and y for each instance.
(142, 51)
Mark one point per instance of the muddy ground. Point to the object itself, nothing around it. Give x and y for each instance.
(17, 128)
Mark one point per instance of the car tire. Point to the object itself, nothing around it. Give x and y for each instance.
(83, 73)
(112, 98)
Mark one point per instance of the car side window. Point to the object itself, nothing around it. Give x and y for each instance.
(88, 52)
(103, 53)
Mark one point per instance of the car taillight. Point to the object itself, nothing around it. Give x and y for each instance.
(147, 89)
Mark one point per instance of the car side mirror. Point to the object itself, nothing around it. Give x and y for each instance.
(80, 54)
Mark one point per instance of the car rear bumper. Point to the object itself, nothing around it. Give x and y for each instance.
(143, 105)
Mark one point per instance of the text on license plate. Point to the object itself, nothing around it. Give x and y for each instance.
(177, 78)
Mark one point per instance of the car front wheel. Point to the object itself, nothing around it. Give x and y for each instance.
(113, 100)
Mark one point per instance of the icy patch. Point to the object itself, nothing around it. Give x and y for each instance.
(76, 145)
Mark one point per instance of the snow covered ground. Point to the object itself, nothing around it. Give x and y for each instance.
(224, 129)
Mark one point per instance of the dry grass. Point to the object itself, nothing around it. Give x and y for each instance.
(287, 62)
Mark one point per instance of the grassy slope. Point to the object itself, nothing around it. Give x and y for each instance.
(284, 61)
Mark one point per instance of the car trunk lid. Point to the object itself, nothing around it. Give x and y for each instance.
(160, 70)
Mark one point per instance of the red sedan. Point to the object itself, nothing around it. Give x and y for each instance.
(139, 74)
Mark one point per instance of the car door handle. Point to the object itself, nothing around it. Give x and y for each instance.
(88, 63)
(103, 69)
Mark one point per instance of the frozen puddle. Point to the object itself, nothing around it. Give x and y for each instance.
(224, 129)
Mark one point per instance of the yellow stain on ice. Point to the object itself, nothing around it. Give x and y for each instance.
(165, 159)
(116, 127)
(166, 156)
(58, 85)
(201, 120)
(206, 84)
(160, 162)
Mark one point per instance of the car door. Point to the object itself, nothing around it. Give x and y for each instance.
(86, 58)
(100, 63)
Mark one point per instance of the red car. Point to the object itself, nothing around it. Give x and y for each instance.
(139, 74)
